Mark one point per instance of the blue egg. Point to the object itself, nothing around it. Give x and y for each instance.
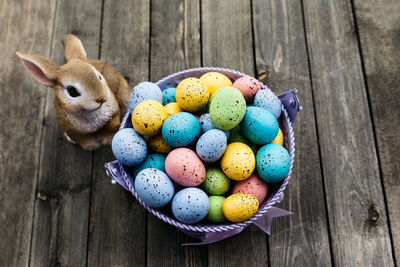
(211, 145)
(190, 205)
(144, 91)
(129, 147)
(181, 129)
(206, 124)
(272, 163)
(268, 100)
(156, 161)
(154, 187)
(168, 95)
(259, 125)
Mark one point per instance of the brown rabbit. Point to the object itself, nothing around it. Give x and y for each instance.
(90, 96)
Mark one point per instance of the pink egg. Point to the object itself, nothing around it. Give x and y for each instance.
(249, 87)
(253, 186)
(184, 167)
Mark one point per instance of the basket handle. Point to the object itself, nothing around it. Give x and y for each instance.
(291, 103)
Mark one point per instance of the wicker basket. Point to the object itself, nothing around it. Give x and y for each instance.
(212, 233)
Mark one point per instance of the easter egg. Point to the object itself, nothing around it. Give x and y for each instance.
(181, 129)
(249, 87)
(279, 138)
(238, 161)
(144, 91)
(268, 100)
(206, 124)
(214, 81)
(253, 186)
(190, 205)
(129, 147)
(172, 108)
(168, 95)
(236, 135)
(158, 144)
(148, 117)
(155, 161)
(259, 125)
(273, 163)
(154, 187)
(211, 145)
(240, 207)
(215, 213)
(216, 182)
(227, 108)
(184, 167)
(191, 94)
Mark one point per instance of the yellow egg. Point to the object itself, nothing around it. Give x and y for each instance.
(172, 108)
(215, 80)
(240, 207)
(191, 94)
(148, 117)
(158, 144)
(238, 161)
(279, 138)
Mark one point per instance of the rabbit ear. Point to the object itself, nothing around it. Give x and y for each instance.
(73, 47)
(40, 68)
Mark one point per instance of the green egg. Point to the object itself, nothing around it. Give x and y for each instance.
(236, 136)
(216, 182)
(215, 213)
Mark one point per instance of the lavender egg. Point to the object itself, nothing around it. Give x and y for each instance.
(211, 145)
(144, 91)
(181, 129)
(168, 95)
(156, 161)
(129, 147)
(206, 124)
(190, 205)
(272, 163)
(268, 100)
(154, 187)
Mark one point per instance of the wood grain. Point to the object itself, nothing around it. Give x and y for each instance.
(26, 27)
(301, 239)
(379, 30)
(358, 225)
(63, 200)
(117, 233)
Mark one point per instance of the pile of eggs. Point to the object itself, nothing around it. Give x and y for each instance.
(208, 147)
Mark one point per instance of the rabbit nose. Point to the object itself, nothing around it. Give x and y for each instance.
(100, 100)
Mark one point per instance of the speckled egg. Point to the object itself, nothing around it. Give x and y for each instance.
(191, 94)
(190, 205)
(268, 100)
(216, 182)
(227, 108)
(249, 87)
(181, 129)
(168, 95)
(259, 125)
(155, 161)
(237, 136)
(240, 207)
(215, 213)
(129, 147)
(148, 117)
(206, 124)
(273, 163)
(215, 80)
(144, 91)
(253, 186)
(279, 138)
(211, 145)
(154, 187)
(238, 161)
(172, 108)
(184, 167)
(158, 144)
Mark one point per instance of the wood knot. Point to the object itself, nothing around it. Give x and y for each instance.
(263, 73)
(373, 215)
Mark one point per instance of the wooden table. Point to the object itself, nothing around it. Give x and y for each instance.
(58, 208)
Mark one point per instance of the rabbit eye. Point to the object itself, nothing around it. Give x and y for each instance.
(72, 91)
(100, 77)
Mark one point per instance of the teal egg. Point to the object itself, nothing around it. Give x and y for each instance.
(155, 161)
(168, 95)
(272, 163)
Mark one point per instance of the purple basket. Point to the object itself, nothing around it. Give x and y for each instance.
(263, 218)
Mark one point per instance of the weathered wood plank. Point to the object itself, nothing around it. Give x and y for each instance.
(117, 233)
(379, 28)
(301, 239)
(356, 209)
(227, 42)
(62, 206)
(175, 45)
(26, 27)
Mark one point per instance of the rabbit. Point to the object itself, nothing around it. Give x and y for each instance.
(90, 96)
